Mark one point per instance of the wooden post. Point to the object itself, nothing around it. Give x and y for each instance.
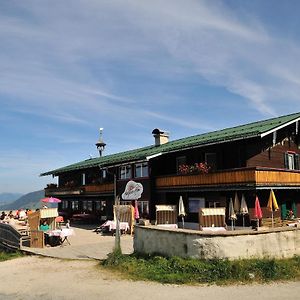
(118, 235)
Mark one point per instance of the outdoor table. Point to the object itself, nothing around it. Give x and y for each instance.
(124, 226)
(89, 218)
(63, 234)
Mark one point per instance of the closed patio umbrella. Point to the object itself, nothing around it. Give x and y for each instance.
(136, 210)
(236, 205)
(257, 211)
(243, 208)
(181, 211)
(272, 205)
(231, 212)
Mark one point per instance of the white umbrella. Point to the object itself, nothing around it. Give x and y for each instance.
(244, 208)
(236, 205)
(181, 212)
(232, 215)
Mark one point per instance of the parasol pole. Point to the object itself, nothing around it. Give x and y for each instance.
(243, 220)
(272, 220)
(182, 217)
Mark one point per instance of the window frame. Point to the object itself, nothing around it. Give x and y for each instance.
(125, 175)
(143, 169)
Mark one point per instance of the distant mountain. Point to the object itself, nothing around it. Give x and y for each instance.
(30, 200)
(6, 198)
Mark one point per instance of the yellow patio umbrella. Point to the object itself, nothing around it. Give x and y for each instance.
(272, 204)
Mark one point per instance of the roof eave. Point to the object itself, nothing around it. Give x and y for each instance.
(279, 127)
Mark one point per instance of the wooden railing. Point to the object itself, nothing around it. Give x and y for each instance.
(245, 176)
(100, 188)
(81, 190)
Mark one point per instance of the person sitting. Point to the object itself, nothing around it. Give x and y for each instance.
(68, 224)
(3, 215)
(45, 227)
(291, 214)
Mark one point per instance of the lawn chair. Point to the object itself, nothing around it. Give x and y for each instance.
(126, 215)
(212, 219)
(166, 214)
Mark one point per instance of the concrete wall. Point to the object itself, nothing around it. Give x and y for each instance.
(274, 243)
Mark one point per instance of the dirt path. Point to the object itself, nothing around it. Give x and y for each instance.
(45, 278)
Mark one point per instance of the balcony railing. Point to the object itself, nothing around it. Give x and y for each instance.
(80, 190)
(233, 177)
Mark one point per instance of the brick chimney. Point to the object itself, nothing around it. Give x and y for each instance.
(161, 137)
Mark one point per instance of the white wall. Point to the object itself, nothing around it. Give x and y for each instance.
(276, 243)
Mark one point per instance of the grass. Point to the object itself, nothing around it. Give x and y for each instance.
(9, 255)
(177, 270)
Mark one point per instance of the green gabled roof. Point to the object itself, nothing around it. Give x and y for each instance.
(255, 129)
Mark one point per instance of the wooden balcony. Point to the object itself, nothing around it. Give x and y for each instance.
(247, 177)
(100, 188)
(103, 188)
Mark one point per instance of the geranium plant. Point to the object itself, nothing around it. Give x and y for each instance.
(196, 168)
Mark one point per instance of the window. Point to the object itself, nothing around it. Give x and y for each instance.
(141, 170)
(211, 160)
(291, 160)
(125, 172)
(180, 160)
(75, 205)
(143, 207)
(195, 204)
(213, 204)
(64, 204)
(83, 178)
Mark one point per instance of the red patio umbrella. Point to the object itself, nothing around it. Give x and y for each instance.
(50, 200)
(257, 210)
(136, 210)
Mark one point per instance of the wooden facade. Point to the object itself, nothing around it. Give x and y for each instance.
(249, 166)
(236, 178)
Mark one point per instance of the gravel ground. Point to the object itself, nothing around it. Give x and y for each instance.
(34, 277)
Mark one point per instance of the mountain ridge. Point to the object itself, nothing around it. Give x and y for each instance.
(30, 200)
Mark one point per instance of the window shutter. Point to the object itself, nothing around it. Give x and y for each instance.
(286, 163)
(283, 211)
(294, 208)
(296, 161)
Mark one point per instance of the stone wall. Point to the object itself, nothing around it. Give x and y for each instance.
(273, 243)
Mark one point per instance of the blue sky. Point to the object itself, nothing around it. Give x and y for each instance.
(70, 67)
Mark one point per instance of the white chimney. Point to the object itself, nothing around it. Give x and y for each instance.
(161, 137)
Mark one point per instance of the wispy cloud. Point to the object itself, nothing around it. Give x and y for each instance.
(79, 65)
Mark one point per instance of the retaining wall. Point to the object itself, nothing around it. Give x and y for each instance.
(244, 244)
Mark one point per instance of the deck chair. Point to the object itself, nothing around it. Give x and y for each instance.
(213, 218)
(126, 215)
(166, 214)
